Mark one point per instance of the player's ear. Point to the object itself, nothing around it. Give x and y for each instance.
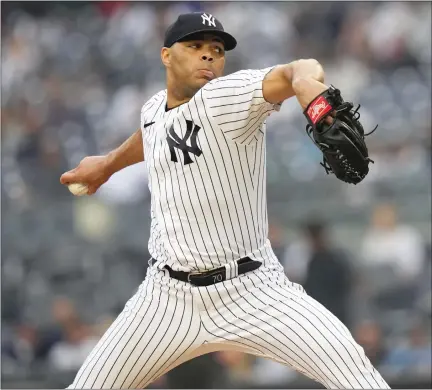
(166, 56)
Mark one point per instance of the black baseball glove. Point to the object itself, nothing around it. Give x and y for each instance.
(341, 139)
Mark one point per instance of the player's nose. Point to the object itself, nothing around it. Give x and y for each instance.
(207, 57)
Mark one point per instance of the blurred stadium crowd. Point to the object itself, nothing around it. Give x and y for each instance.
(74, 78)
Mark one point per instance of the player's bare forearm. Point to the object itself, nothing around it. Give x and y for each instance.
(128, 153)
(302, 78)
(94, 171)
(307, 88)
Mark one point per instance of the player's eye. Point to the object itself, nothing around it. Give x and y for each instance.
(219, 50)
(195, 45)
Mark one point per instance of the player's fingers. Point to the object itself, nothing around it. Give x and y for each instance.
(93, 188)
(68, 177)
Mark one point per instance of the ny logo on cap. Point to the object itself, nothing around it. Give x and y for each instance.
(209, 19)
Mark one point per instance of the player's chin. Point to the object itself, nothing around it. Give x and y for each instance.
(201, 81)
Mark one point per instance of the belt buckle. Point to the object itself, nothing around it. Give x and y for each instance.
(192, 274)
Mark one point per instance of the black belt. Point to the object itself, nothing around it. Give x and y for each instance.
(213, 276)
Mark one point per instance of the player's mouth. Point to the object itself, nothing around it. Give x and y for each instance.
(207, 74)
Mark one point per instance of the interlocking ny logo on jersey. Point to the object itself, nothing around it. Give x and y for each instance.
(174, 141)
(209, 19)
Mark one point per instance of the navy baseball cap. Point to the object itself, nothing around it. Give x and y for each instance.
(193, 23)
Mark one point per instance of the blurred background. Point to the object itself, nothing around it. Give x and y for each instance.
(74, 78)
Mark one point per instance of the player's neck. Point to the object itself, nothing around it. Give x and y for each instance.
(174, 99)
(177, 94)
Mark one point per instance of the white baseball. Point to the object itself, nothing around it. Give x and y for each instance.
(78, 189)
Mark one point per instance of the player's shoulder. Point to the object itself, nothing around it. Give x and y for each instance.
(154, 101)
(240, 79)
(150, 107)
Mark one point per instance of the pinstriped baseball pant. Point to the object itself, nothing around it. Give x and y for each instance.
(168, 322)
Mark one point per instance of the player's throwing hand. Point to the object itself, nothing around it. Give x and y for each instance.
(91, 171)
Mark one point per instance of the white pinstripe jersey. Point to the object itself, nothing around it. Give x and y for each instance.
(207, 178)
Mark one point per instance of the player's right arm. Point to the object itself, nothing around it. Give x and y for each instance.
(129, 153)
(96, 170)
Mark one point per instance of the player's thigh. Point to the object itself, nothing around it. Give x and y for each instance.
(270, 317)
(296, 330)
(157, 327)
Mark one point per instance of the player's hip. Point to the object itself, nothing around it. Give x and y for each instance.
(193, 257)
(246, 271)
(259, 286)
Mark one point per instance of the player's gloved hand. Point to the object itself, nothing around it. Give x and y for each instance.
(335, 128)
(91, 170)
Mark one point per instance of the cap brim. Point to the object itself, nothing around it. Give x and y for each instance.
(229, 41)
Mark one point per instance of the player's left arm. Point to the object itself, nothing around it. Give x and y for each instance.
(333, 124)
(241, 102)
(302, 78)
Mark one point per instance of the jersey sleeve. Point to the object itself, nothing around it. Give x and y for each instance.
(142, 121)
(237, 105)
(149, 109)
